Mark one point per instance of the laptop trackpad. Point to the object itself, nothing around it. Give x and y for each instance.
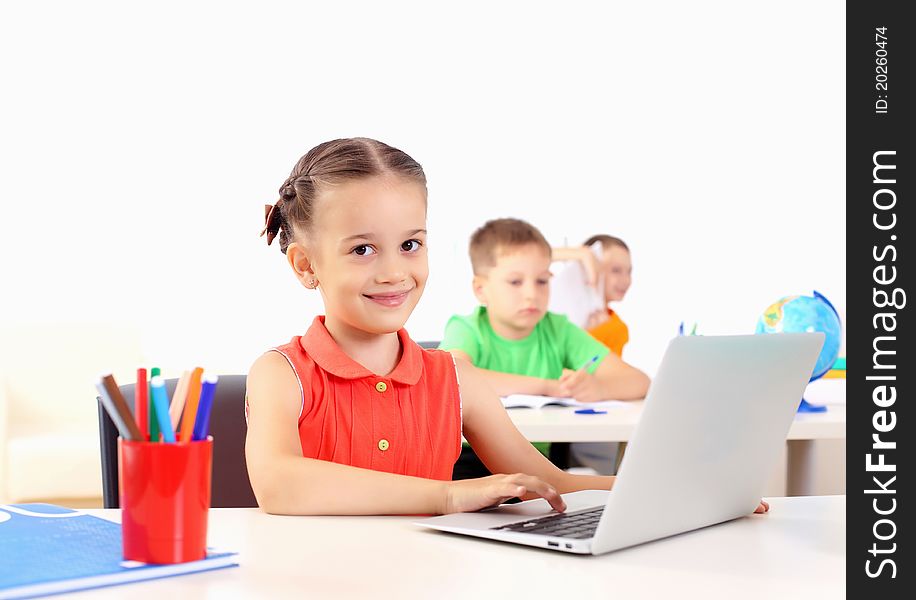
(539, 507)
(511, 513)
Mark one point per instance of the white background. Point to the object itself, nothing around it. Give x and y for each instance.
(140, 143)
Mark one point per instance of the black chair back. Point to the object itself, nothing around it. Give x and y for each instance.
(229, 486)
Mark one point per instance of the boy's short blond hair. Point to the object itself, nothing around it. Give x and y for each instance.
(499, 235)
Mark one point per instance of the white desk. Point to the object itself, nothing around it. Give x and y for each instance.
(796, 551)
(562, 424)
(806, 469)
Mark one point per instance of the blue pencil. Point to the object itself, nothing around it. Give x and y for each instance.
(204, 407)
(161, 402)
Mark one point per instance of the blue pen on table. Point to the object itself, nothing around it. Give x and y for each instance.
(204, 407)
(160, 401)
(590, 411)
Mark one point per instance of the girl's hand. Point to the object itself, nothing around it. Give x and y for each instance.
(580, 385)
(596, 318)
(590, 264)
(762, 508)
(466, 495)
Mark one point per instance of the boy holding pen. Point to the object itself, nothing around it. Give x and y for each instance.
(520, 346)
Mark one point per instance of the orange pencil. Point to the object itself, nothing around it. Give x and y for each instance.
(190, 405)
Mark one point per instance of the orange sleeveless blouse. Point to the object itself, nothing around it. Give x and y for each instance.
(407, 422)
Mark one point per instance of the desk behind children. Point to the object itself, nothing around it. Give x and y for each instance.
(809, 467)
(797, 549)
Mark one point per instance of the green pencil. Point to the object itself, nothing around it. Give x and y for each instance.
(153, 419)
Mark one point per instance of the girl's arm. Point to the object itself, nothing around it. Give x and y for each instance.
(505, 384)
(499, 444)
(584, 255)
(285, 482)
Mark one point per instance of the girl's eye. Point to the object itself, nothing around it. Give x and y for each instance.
(515, 282)
(411, 245)
(363, 250)
(542, 282)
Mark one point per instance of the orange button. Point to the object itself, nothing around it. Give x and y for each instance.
(381, 386)
(383, 444)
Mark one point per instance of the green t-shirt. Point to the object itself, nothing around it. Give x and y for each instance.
(554, 345)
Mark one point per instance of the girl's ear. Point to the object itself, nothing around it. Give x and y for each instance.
(298, 259)
(478, 285)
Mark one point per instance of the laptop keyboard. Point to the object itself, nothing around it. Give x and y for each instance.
(577, 525)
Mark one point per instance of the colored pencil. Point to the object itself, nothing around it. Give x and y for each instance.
(178, 399)
(153, 417)
(141, 403)
(161, 402)
(120, 406)
(205, 407)
(109, 406)
(190, 405)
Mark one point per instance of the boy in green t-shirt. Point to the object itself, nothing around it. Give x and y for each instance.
(522, 348)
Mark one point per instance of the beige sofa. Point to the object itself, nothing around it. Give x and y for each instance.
(49, 441)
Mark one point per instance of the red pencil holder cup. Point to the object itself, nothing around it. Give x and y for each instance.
(165, 495)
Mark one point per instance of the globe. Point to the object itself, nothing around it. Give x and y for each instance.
(799, 314)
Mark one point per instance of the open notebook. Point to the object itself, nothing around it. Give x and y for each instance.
(526, 401)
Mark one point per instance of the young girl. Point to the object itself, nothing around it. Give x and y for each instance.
(354, 417)
(615, 269)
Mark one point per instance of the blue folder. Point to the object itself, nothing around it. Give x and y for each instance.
(49, 549)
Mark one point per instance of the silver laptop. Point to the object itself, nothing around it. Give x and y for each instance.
(713, 426)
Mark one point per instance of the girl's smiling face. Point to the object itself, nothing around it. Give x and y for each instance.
(367, 251)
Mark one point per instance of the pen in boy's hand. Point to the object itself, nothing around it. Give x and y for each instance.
(589, 362)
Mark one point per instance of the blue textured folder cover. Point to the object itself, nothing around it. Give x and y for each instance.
(47, 549)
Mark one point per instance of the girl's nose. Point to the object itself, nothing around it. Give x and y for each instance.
(392, 270)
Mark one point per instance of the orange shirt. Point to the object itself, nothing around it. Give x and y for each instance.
(613, 333)
(407, 422)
